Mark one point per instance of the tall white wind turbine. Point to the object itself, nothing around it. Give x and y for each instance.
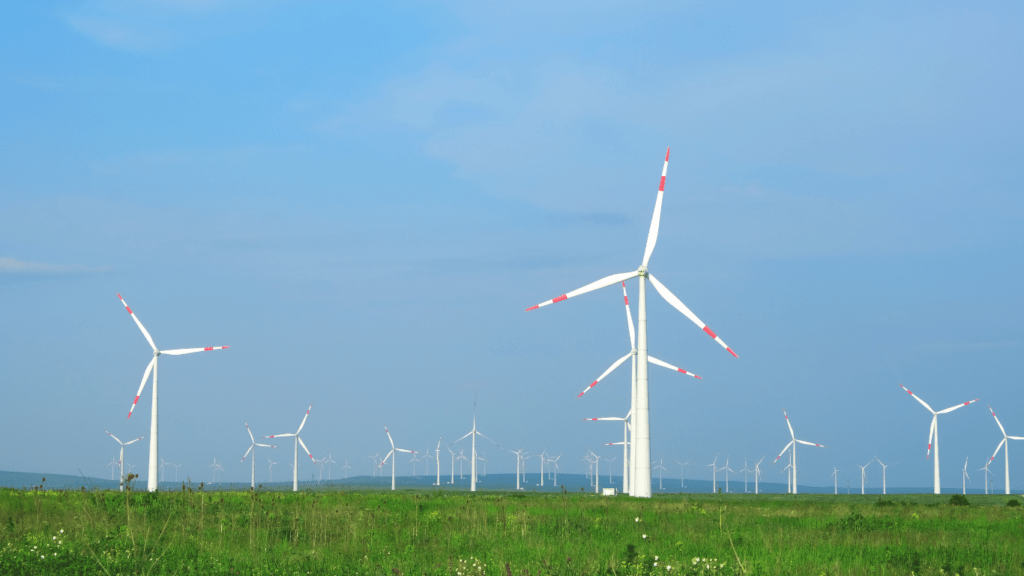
(298, 440)
(474, 433)
(714, 475)
(792, 445)
(757, 475)
(862, 468)
(152, 367)
(252, 448)
(835, 477)
(1006, 451)
(933, 433)
(641, 483)
(121, 457)
(392, 455)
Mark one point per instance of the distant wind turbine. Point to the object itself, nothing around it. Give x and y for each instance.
(966, 477)
(883, 472)
(252, 448)
(793, 444)
(835, 477)
(392, 455)
(862, 468)
(121, 460)
(298, 440)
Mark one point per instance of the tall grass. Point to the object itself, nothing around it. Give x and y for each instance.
(195, 532)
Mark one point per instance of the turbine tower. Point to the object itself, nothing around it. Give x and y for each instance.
(252, 448)
(966, 477)
(792, 455)
(152, 367)
(121, 457)
(295, 465)
(1006, 452)
(884, 466)
(641, 483)
(933, 434)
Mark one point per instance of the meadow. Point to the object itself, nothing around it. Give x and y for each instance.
(192, 531)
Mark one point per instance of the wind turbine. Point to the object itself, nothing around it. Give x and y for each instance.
(793, 444)
(519, 465)
(216, 466)
(597, 472)
(660, 468)
(1006, 452)
(176, 466)
(757, 474)
(933, 434)
(474, 433)
(835, 477)
(609, 461)
(714, 475)
(121, 457)
(966, 477)
(346, 468)
(789, 476)
(453, 465)
(625, 447)
(682, 473)
(727, 470)
(987, 472)
(252, 448)
(554, 462)
(461, 458)
(152, 367)
(270, 469)
(542, 456)
(862, 468)
(162, 464)
(298, 440)
(392, 453)
(437, 455)
(114, 463)
(883, 472)
(329, 461)
(641, 483)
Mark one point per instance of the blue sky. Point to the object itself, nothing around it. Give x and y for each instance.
(362, 200)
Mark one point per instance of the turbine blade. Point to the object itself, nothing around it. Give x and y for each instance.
(793, 436)
(280, 435)
(1016, 437)
(607, 372)
(247, 452)
(599, 419)
(250, 433)
(652, 235)
(1001, 442)
(654, 360)
(386, 458)
(923, 403)
(678, 305)
(931, 434)
(1001, 429)
(958, 406)
(141, 327)
(265, 445)
(114, 437)
(136, 440)
(389, 437)
(181, 351)
(780, 453)
(468, 434)
(306, 449)
(404, 450)
(607, 281)
(811, 444)
(304, 419)
(145, 377)
(629, 318)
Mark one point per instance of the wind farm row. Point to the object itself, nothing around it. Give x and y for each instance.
(636, 461)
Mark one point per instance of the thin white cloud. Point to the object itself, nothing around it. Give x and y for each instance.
(12, 266)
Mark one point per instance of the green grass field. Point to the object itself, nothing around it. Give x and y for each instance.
(411, 533)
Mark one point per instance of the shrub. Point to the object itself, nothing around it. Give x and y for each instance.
(1012, 503)
(958, 500)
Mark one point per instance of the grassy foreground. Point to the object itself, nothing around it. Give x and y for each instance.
(432, 533)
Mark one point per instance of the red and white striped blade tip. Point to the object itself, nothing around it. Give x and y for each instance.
(596, 285)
